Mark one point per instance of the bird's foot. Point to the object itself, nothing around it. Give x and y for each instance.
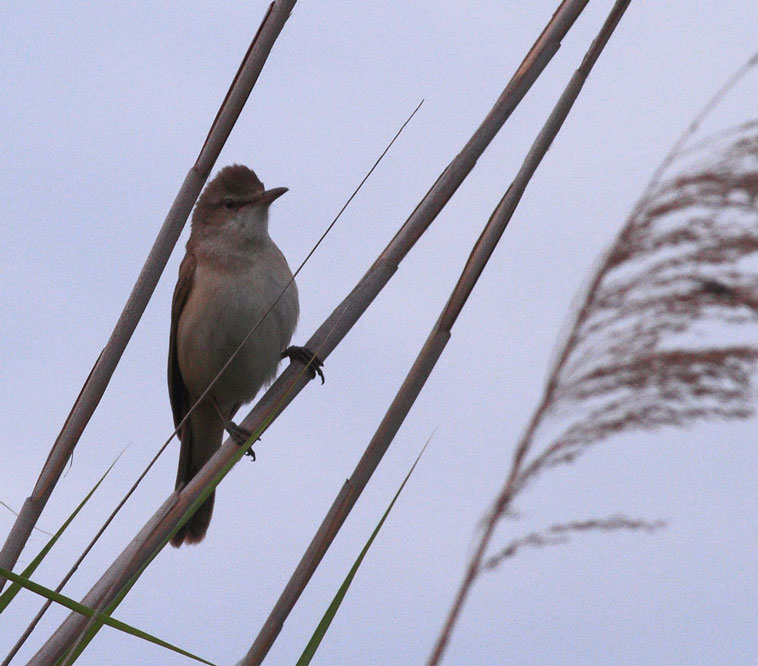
(240, 435)
(312, 362)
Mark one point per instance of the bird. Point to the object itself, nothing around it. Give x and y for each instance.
(232, 274)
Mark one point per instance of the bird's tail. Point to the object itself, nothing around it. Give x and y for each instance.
(201, 436)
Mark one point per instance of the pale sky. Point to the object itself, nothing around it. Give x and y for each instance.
(105, 109)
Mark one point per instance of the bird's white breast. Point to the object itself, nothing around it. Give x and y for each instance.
(225, 303)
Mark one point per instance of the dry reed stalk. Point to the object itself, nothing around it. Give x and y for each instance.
(97, 381)
(640, 354)
(156, 532)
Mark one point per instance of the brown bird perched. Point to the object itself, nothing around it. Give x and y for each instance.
(230, 276)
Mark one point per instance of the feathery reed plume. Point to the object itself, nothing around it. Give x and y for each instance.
(667, 332)
(558, 534)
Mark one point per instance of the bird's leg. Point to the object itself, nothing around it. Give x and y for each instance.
(312, 362)
(239, 434)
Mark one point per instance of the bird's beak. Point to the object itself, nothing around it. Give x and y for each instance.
(270, 195)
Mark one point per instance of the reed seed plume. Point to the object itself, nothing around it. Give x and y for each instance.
(668, 333)
(560, 533)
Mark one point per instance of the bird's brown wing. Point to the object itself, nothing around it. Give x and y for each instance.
(191, 451)
(177, 390)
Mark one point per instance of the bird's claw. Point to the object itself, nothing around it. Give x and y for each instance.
(240, 435)
(312, 362)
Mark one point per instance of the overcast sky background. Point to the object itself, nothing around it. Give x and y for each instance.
(105, 108)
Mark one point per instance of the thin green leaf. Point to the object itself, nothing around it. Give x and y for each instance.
(326, 620)
(13, 589)
(73, 605)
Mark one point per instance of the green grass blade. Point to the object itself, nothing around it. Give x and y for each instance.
(13, 589)
(73, 605)
(326, 620)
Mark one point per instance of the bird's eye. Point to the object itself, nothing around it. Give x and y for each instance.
(229, 203)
